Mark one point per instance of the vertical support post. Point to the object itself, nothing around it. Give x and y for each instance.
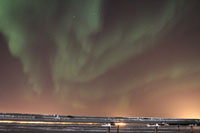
(117, 128)
(191, 129)
(156, 129)
(178, 128)
(108, 130)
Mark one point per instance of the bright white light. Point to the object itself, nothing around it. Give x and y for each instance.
(120, 124)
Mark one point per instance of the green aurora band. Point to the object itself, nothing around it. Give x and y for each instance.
(71, 41)
(31, 26)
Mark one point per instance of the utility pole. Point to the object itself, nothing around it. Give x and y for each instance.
(108, 130)
(117, 128)
(178, 128)
(156, 129)
(191, 129)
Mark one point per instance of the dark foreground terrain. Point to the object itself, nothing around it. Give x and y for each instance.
(30, 123)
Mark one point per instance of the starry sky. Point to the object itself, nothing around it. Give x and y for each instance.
(100, 57)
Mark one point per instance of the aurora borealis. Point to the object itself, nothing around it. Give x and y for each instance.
(95, 57)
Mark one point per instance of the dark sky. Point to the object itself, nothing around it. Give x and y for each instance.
(105, 58)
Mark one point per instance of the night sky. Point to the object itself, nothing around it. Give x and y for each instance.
(100, 58)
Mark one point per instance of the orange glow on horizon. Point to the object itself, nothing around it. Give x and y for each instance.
(120, 124)
(46, 122)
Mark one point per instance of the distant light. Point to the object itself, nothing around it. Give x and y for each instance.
(120, 124)
(153, 125)
(106, 125)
